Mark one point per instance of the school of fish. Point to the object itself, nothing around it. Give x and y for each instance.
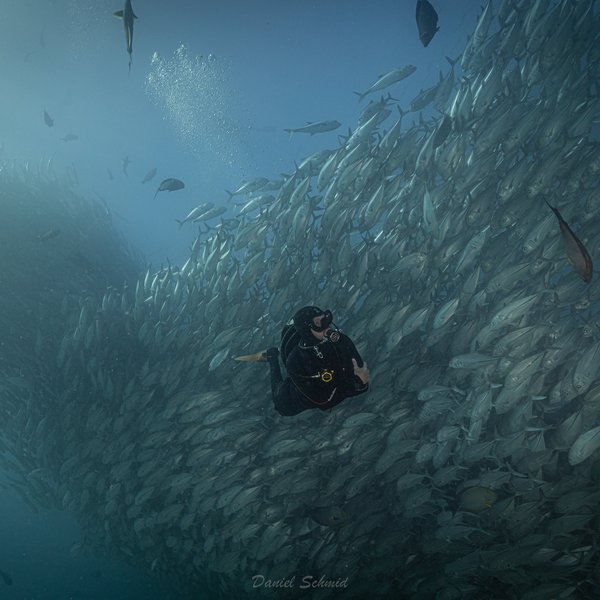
(470, 470)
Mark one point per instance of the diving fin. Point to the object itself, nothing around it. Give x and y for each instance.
(258, 357)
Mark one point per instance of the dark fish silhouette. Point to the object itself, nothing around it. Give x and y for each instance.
(127, 15)
(427, 20)
(577, 255)
(126, 162)
(6, 577)
(48, 119)
(149, 175)
(170, 185)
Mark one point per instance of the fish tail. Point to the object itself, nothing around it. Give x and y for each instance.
(453, 61)
(230, 194)
(180, 223)
(360, 96)
(291, 132)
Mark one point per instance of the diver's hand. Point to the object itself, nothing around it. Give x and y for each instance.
(361, 372)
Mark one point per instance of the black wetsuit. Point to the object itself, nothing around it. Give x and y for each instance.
(304, 388)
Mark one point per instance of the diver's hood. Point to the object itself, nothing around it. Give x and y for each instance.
(303, 320)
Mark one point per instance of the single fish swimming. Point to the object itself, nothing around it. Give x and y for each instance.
(126, 163)
(70, 137)
(169, 185)
(218, 359)
(577, 254)
(312, 128)
(248, 187)
(128, 16)
(477, 499)
(427, 20)
(48, 119)
(149, 175)
(387, 79)
(196, 212)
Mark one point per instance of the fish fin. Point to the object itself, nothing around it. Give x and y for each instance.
(118, 14)
(134, 16)
(554, 210)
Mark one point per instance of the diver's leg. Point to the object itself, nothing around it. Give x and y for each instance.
(285, 394)
(276, 378)
(287, 401)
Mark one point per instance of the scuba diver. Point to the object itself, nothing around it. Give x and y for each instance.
(323, 365)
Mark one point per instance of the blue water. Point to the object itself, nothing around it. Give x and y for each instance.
(35, 550)
(211, 122)
(277, 65)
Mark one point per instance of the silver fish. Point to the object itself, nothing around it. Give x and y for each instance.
(128, 16)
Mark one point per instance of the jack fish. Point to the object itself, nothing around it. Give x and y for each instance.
(387, 79)
(169, 185)
(427, 20)
(127, 15)
(312, 128)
